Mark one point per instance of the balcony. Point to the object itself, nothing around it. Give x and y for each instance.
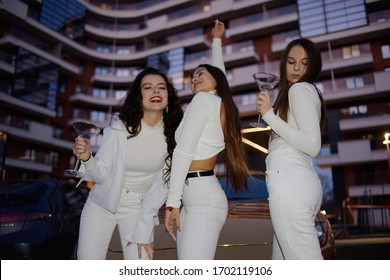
(347, 154)
(129, 10)
(25, 106)
(110, 78)
(29, 165)
(350, 36)
(342, 65)
(193, 43)
(355, 88)
(363, 123)
(128, 36)
(234, 55)
(33, 132)
(11, 40)
(6, 63)
(90, 100)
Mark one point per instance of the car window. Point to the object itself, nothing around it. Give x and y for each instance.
(20, 194)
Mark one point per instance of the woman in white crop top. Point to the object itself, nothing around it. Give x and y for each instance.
(210, 125)
(129, 170)
(295, 192)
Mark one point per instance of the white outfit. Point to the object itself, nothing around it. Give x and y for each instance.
(199, 136)
(128, 190)
(295, 192)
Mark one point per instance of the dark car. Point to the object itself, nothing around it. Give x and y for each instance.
(39, 219)
(257, 188)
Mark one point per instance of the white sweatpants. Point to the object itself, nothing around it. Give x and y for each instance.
(202, 217)
(97, 226)
(295, 195)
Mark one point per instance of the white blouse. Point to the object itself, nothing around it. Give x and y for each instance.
(302, 130)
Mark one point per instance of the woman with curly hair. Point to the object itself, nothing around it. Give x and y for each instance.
(130, 170)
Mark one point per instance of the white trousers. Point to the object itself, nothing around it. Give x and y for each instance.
(97, 226)
(295, 195)
(202, 217)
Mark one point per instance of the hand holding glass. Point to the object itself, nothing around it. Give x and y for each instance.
(86, 130)
(266, 83)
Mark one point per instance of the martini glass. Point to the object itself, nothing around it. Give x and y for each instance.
(86, 130)
(266, 83)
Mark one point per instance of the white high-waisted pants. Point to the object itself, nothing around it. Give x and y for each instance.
(97, 226)
(202, 217)
(295, 195)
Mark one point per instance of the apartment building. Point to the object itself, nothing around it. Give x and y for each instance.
(63, 61)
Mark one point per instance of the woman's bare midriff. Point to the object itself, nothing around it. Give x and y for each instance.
(204, 164)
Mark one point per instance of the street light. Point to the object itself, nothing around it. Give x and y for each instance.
(387, 142)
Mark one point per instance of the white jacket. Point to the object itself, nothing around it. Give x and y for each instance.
(108, 186)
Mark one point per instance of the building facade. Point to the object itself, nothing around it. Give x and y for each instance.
(63, 61)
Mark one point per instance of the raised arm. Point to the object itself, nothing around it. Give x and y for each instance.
(216, 46)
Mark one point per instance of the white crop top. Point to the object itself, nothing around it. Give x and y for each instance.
(199, 136)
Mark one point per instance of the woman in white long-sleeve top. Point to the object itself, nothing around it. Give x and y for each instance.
(130, 169)
(298, 115)
(210, 125)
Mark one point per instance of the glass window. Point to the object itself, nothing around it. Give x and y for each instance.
(350, 83)
(335, 15)
(101, 70)
(385, 51)
(355, 51)
(119, 94)
(99, 93)
(102, 49)
(347, 53)
(123, 72)
(123, 50)
(359, 82)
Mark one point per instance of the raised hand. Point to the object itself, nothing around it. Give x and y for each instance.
(218, 30)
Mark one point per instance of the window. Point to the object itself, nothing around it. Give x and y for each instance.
(354, 82)
(97, 116)
(123, 50)
(99, 93)
(119, 94)
(101, 70)
(385, 51)
(317, 17)
(358, 110)
(102, 49)
(124, 72)
(351, 51)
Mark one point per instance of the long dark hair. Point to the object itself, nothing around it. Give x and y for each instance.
(131, 113)
(237, 170)
(313, 70)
